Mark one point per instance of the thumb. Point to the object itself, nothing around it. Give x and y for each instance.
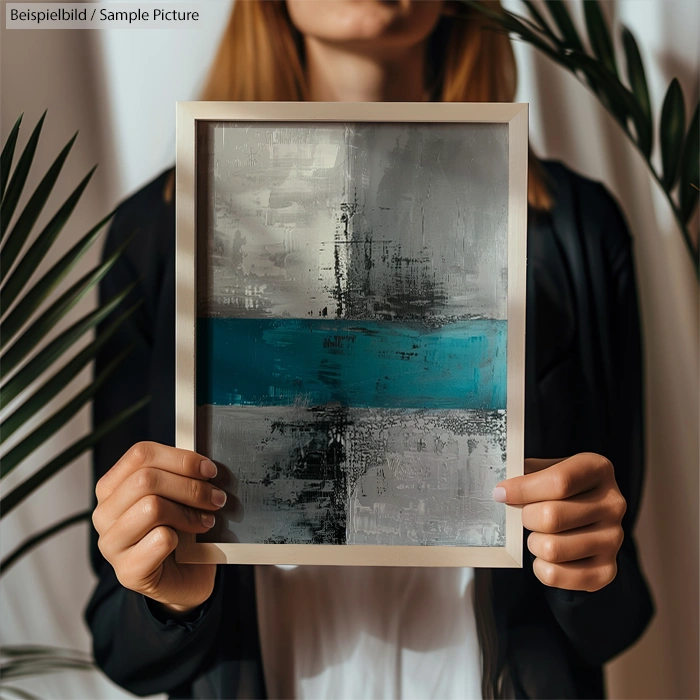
(519, 490)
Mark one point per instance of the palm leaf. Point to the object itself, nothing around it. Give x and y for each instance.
(23, 650)
(540, 24)
(638, 83)
(602, 46)
(562, 18)
(672, 133)
(8, 152)
(515, 25)
(34, 541)
(55, 349)
(689, 176)
(55, 422)
(614, 94)
(60, 379)
(601, 75)
(16, 270)
(601, 43)
(24, 668)
(21, 230)
(31, 652)
(599, 36)
(539, 19)
(19, 177)
(518, 26)
(17, 693)
(40, 247)
(14, 672)
(26, 488)
(35, 296)
(38, 330)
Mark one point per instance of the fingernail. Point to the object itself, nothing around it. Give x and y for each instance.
(207, 468)
(499, 494)
(208, 520)
(218, 497)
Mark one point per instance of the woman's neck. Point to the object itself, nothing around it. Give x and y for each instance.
(337, 75)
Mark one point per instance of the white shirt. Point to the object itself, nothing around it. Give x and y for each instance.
(368, 633)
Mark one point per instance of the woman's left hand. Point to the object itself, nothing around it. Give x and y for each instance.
(574, 510)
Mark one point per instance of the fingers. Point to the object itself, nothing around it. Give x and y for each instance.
(604, 504)
(150, 481)
(576, 544)
(574, 510)
(151, 492)
(584, 575)
(146, 515)
(139, 568)
(551, 517)
(558, 481)
(145, 455)
(139, 543)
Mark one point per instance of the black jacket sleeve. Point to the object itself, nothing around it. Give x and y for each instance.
(132, 645)
(602, 624)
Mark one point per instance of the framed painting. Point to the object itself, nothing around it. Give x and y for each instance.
(350, 323)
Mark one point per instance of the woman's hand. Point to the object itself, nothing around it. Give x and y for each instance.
(574, 510)
(149, 493)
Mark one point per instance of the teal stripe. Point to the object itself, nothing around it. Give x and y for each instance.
(281, 362)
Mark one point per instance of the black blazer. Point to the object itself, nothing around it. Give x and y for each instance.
(583, 393)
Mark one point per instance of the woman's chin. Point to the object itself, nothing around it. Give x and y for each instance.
(350, 21)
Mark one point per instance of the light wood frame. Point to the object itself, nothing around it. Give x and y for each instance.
(516, 116)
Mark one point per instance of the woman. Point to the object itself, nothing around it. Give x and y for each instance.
(543, 631)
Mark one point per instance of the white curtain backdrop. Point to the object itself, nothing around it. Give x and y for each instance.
(118, 87)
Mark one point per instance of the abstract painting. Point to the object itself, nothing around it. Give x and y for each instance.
(352, 331)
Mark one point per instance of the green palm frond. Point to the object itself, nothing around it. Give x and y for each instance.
(39, 248)
(7, 692)
(23, 661)
(29, 314)
(558, 38)
(638, 82)
(25, 326)
(15, 184)
(70, 454)
(565, 25)
(690, 164)
(36, 539)
(672, 133)
(39, 292)
(31, 212)
(27, 661)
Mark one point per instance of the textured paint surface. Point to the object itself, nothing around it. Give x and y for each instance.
(357, 221)
(282, 362)
(357, 476)
(352, 289)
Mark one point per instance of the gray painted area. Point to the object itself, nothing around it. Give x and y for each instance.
(371, 221)
(357, 476)
(426, 477)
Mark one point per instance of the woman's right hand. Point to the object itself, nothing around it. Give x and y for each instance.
(151, 492)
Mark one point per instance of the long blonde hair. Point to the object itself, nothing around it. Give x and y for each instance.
(261, 57)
